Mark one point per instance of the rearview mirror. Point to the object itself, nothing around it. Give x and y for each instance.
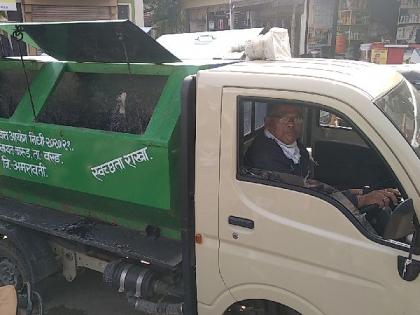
(401, 222)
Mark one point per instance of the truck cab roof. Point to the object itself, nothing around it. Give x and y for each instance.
(370, 79)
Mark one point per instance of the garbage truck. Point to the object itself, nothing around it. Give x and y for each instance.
(118, 157)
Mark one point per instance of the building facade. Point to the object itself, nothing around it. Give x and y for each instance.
(71, 10)
(315, 26)
(216, 15)
(132, 10)
(77, 10)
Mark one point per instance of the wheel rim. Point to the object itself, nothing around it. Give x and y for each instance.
(10, 273)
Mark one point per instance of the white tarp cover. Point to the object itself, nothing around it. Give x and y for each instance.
(274, 45)
(228, 44)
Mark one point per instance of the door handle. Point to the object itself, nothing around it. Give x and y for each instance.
(242, 222)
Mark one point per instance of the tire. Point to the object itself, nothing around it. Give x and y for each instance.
(14, 269)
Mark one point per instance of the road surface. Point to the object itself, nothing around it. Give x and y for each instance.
(86, 295)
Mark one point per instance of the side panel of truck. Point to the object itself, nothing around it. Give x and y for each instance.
(303, 251)
(211, 291)
(57, 153)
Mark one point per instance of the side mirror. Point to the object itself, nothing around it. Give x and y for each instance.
(401, 222)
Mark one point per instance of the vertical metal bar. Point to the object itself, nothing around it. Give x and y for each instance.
(293, 32)
(253, 117)
(305, 49)
(334, 28)
(230, 15)
(18, 35)
(207, 19)
(187, 194)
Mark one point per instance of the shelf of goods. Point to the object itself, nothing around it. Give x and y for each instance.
(409, 21)
(353, 20)
(319, 37)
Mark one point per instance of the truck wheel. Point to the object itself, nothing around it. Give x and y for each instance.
(13, 268)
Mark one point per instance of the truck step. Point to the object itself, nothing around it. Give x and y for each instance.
(159, 252)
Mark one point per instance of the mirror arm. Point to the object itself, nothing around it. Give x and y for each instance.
(409, 268)
(415, 246)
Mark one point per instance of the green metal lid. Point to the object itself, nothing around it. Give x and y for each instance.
(95, 41)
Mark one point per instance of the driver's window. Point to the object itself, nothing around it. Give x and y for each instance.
(276, 145)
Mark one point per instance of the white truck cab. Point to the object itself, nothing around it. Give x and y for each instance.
(264, 240)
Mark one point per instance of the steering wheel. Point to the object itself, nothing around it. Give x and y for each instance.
(373, 207)
(378, 217)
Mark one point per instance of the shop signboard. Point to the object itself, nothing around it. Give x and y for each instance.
(379, 55)
(7, 5)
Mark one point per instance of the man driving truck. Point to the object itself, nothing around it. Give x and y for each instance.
(277, 148)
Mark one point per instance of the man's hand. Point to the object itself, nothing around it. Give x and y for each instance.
(383, 198)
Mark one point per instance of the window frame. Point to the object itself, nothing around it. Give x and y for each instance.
(245, 178)
(32, 73)
(252, 121)
(15, 65)
(130, 13)
(44, 106)
(381, 97)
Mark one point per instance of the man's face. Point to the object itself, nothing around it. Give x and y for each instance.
(285, 123)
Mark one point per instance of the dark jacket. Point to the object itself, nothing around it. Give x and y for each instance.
(266, 154)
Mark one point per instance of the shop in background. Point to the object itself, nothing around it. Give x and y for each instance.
(352, 27)
(218, 18)
(287, 14)
(358, 22)
(409, 22)
(405, 47)
(368, 30)
(382, 53)
(197, 19)
(320, 27)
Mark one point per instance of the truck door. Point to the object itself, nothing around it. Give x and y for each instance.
(283, 241)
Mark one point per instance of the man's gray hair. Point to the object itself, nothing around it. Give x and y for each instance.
(273, 109)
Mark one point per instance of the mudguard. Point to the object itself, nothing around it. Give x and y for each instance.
(34, 247)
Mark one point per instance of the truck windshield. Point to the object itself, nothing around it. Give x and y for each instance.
(401, 105)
